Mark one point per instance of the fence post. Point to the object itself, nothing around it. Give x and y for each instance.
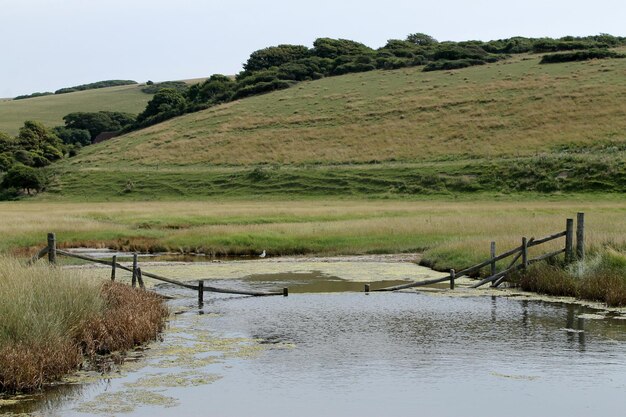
(285, 292)
(524, 253)
(140, 279)
(452, 278)
(367, 288)
(200, 293)
(493, 255)
(134, 280)
(52, 248)
(113, 267)
(580, 236)
(569, 241)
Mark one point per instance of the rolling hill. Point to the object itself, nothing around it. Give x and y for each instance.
(50, 109)
(515, 125)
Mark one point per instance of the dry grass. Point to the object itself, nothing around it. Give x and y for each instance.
(51, 318)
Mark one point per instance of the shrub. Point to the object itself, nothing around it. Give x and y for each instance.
(445, 64)
(262, 87)
(153, 88)
(25, 178)
(580, 56)
(98, 84)
(275, 56)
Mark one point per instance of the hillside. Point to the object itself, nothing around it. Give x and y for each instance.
(556, 127)
(50, 109)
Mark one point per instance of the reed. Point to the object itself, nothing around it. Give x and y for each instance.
(53, 318)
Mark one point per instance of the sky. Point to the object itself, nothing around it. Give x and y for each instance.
(50, 44)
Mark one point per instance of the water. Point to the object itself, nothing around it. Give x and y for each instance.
(350, 354)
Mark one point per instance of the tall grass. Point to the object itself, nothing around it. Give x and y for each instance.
(51, 318)
(602, 277)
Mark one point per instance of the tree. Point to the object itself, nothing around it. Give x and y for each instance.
(275, 56)
(334, 48)
(166, 103)
(421, 39)
(37, 146)
(96, 123)
(24, 178)
(218, 88)
(73, 136)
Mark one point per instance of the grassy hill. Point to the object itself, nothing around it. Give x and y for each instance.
(50, 109)
(514, 125)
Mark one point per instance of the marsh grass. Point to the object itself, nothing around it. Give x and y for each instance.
(602, 277)
(52, 318)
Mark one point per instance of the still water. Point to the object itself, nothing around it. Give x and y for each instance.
(351, 354)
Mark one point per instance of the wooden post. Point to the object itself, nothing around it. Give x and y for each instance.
(134, 280)
(285, 292)
(52, 248)
(569, 241)
(113, 267)
(524, 253)
(452, 278)
(140, 279)
(200, 293)
(367, 288)
(580, 236)
(493, 255)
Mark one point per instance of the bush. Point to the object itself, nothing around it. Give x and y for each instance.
(98, 84)
(445, 64)
(262, 87)
(22, 177)
(71, 136)
(580, 56)
(153, 88)
(166, 103)
(275, 56)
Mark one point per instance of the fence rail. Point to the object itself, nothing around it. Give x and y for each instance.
(138, 274)
(497, 278)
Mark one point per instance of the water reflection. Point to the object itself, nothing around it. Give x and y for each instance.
(409, 350)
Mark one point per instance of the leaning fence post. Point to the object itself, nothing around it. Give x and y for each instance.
(113, 267)
(580, 236)
(569, 241)
(140, 278)
(524, 253)
(52, 248)
(452, 278)
(134, 280)
(493, 255)
(200, 293)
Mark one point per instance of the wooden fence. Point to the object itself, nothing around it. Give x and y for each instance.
(518, 254)
(138, 274)
(520, 261)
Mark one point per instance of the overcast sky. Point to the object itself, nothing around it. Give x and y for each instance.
(49, 44)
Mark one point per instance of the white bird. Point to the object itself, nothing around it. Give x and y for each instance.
(262, 255)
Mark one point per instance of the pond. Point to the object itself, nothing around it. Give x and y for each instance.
(351, 354)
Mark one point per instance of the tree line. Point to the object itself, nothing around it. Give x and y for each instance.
(268, 69)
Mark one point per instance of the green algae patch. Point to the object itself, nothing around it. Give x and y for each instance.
(112, 403)
(184, 379)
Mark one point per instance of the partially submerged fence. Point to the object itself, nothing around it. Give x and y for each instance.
(520, 261)
(519, 254)
(138, 274)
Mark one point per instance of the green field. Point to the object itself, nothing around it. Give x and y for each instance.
(50, 109)
(511, 126)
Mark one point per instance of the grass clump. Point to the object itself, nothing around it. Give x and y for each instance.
(52, 318)
(602, 277)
